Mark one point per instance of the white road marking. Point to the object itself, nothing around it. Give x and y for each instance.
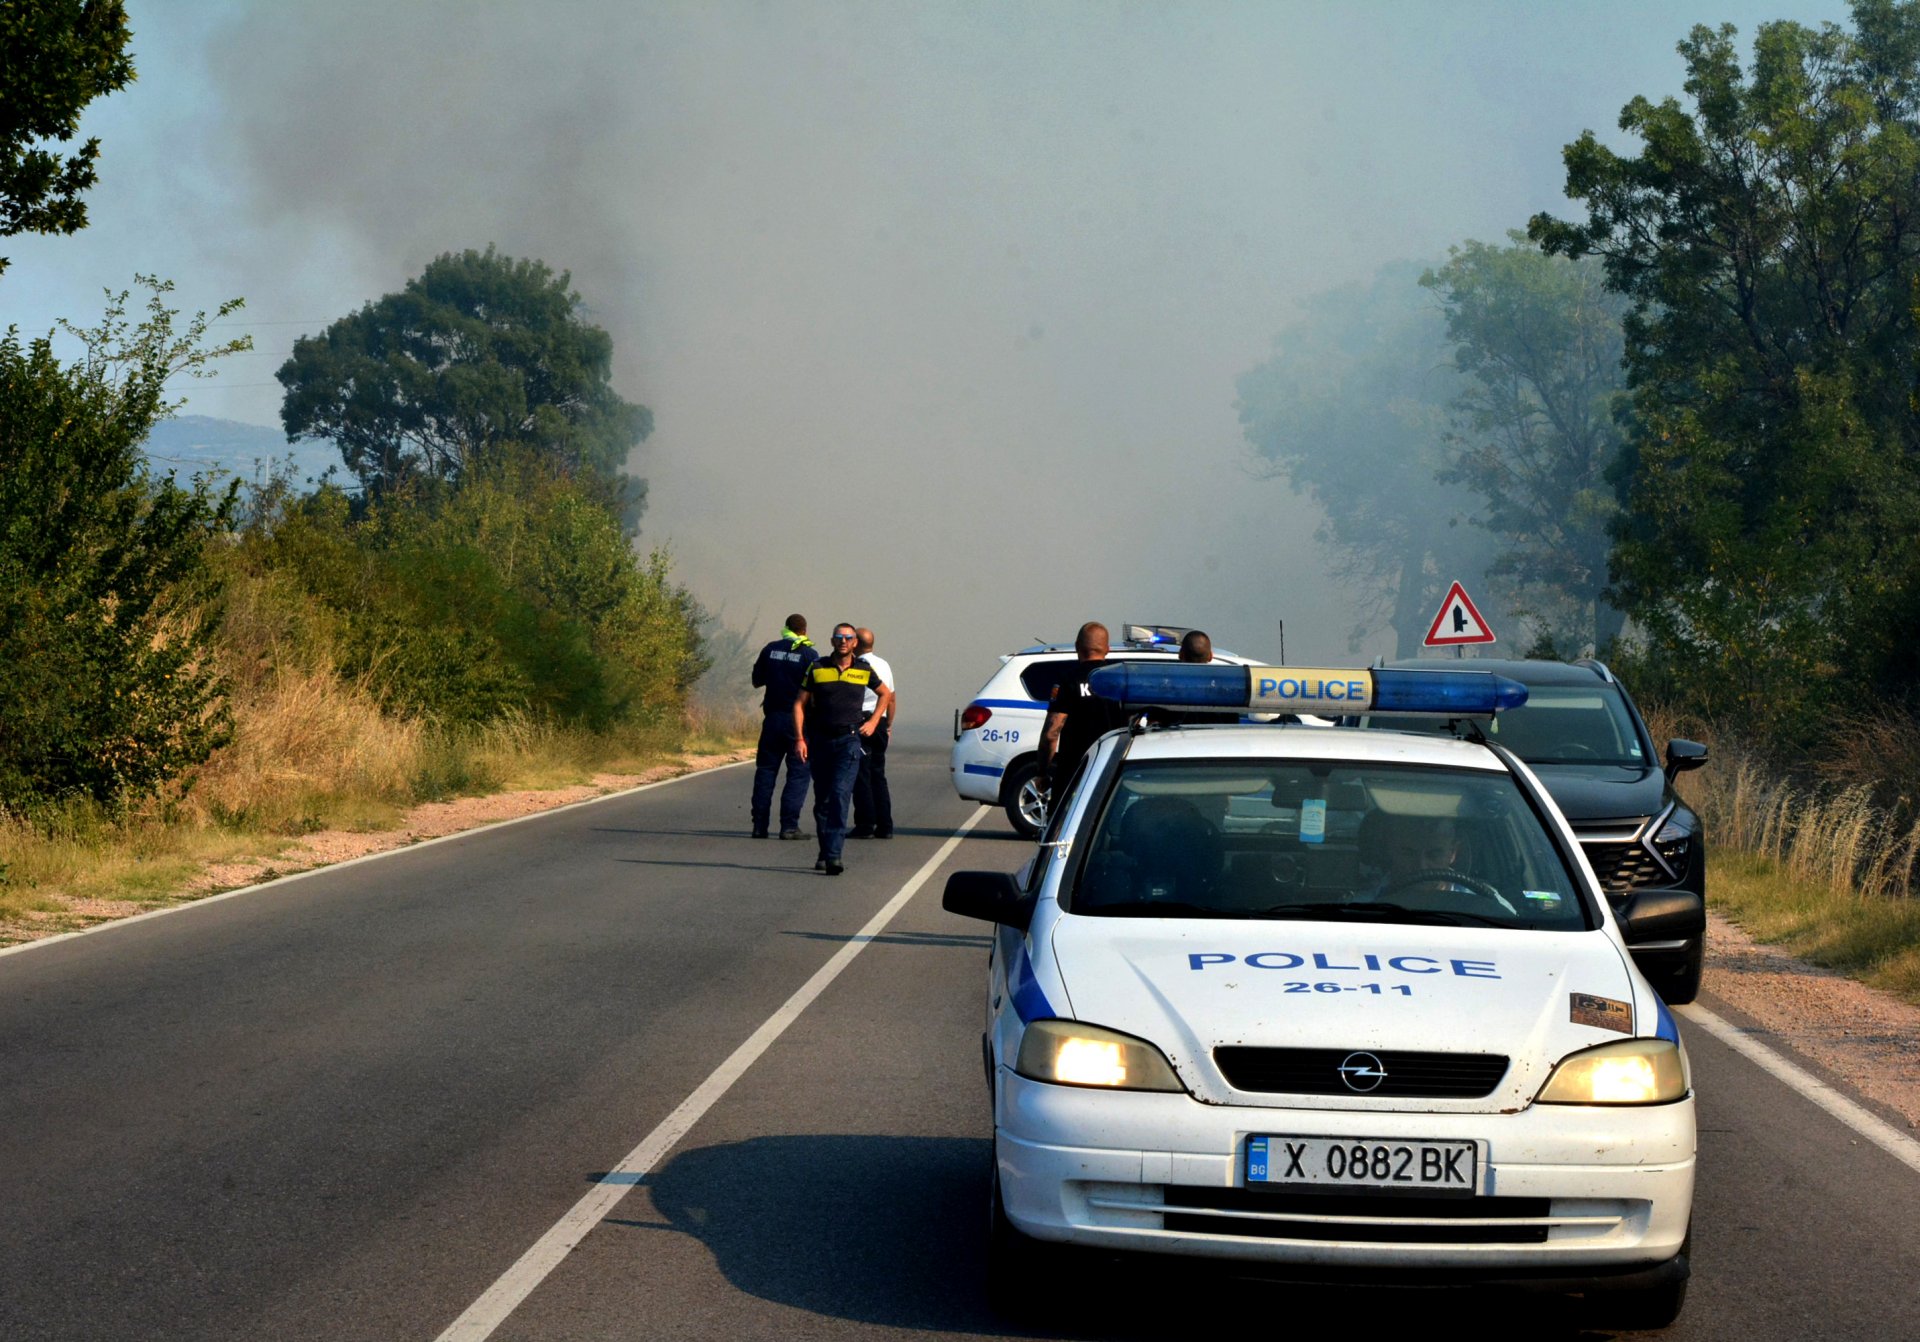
(518, 1282)
(356, 861)
(1862, 1120)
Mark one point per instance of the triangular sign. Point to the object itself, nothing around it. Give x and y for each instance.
(1458, 622)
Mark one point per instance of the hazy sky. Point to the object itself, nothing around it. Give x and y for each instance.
(938, 307)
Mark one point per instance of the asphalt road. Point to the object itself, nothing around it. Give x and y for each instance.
(343, 1107)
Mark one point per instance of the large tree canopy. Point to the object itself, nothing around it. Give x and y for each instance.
(480, 356)
(56, 56)
(1537, 340)
(1351, 409)
(1766, 239)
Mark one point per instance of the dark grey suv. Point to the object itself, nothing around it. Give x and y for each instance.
(1583, 737)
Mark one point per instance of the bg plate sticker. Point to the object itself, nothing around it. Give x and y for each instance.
(1603, 1013)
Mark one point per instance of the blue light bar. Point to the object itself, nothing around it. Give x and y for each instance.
(1460, 693)
(1304, 689)
(1172, 685)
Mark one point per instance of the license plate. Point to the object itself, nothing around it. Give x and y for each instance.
(1407, 1165)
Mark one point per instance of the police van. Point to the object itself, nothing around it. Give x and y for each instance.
(1324, 1002)
(996, 737)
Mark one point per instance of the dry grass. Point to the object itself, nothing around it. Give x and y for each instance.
(312, 752)
(1826, 868)
(1869, 937)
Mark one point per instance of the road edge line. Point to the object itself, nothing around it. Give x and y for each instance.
(205, 900)
(1855, 1115)
(512, 1287)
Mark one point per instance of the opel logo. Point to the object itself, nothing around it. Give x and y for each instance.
(1362, 1072)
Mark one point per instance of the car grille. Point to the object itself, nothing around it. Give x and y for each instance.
(1316, 1071)
(1389, 1219)
(1624, 866)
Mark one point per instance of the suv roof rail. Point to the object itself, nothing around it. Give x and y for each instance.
(1599, 667)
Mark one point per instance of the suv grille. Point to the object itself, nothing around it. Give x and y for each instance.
(1316, 1071)
(1623, 866)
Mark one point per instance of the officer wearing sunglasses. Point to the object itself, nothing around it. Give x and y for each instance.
(830, 721)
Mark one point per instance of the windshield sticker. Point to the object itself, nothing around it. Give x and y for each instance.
(1602, 1013)
(1546, 899)
(1313, 821)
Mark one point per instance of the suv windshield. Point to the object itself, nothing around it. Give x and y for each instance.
(1332, 841)
(1559, 724)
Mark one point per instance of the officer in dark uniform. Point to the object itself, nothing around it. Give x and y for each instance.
(1076, 716)
(831, 722)
(779, 669)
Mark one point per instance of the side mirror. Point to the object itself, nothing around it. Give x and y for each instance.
(1661, 920)
(1684, 755)
(992, 896)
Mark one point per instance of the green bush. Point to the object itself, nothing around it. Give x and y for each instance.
(107, 684)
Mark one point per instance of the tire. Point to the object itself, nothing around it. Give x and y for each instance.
(1026, 807)
(1020, 1281)
(1642, 1311)
(1681, 984)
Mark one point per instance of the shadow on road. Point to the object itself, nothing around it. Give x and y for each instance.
(890, 1231)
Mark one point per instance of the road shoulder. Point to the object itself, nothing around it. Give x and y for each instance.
(325, 848)
(1864, 1038)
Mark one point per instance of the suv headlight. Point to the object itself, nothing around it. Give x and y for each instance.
(1069, 1053)
(1632, 1071)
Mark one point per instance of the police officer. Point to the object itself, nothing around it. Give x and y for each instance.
(1197, 649)
(1076, 716)
(779, 669)
(831, 722)
(872, 799)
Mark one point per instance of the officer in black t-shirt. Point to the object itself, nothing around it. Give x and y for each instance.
(830, 720)
(1077, 717)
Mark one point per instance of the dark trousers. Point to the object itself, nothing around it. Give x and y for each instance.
(836, 763)
(777, 747)
(872, 802)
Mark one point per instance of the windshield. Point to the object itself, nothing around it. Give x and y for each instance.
(1559, 724)
(1341, 842)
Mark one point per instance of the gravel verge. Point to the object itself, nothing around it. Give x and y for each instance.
(1864, 1037)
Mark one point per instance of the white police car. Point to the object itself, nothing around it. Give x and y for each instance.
(996, 737)
(1330, 1002)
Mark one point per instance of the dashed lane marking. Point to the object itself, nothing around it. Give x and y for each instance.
(518, 1282)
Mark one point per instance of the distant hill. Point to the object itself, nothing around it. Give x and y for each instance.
(201, 443)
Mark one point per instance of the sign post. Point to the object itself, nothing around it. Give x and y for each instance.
(1458, 623)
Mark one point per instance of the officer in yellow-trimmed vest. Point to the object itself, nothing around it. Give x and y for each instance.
(831, 722)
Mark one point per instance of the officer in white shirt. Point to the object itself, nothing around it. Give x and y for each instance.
(872, 802)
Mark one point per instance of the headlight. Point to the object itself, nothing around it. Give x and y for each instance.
(1633, 1071)
(1068, 1053)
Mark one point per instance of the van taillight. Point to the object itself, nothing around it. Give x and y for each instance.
(974, 715)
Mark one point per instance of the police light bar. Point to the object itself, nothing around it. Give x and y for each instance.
(1303, 689)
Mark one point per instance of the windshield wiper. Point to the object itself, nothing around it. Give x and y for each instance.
(1376, 909)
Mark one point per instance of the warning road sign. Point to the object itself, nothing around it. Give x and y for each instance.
(1458, 622)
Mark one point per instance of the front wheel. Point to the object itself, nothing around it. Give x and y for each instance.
(1020, 1282)
(1681, 984)
(1026, 799)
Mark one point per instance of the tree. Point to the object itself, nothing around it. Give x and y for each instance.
(56, 56)
(1538, 343)
(1351, 409)
(479, 355)
(107, 686)
(1766, 240)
